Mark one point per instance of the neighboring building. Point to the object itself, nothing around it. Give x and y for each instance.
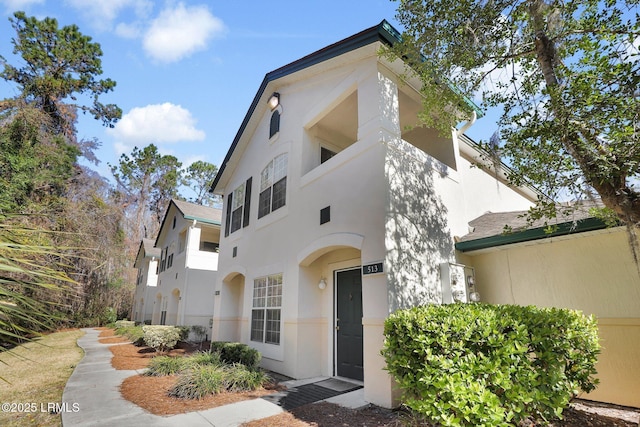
(188, 241)
(146, 282)
(582, 265)
(340, 208)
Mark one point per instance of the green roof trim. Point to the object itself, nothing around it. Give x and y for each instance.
(205, 220)
(588, 224)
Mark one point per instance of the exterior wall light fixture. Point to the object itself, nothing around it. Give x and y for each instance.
(274, 100)
(322, 283)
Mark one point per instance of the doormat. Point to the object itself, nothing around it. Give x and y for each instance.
(310, 393)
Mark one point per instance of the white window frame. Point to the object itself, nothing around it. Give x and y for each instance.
(271, 175)
(267, 300)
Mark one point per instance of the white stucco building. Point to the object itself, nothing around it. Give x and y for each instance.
(146, 281)
(339, 208)
(188, 242)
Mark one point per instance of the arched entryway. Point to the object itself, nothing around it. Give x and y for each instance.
(331, 268)
(173, 307)
(230, 322)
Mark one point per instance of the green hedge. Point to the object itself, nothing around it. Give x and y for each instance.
(492, 365)
(234, 352)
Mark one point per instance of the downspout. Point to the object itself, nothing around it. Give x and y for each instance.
(466, 126)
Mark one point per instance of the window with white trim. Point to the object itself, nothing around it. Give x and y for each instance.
(273, 186)
(267, 309)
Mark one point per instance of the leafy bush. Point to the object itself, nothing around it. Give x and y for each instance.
(108, 316)
(203, 380)
(161, 337)
(199, 331)
(234, 352)
(184, 332)
(476, 364)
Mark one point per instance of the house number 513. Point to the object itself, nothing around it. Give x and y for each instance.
(372, 268)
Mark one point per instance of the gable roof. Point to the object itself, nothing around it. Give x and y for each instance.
(384, 32)
(147, 249)
(200, 213)
(192, 211)
(503, 228)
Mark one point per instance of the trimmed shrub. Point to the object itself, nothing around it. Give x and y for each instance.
(200, 332)
(234, 352)
(161, 337)
(184, 332)
(477, 364)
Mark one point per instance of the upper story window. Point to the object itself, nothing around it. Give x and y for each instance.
(274, 125)
(238, 204)
(162, 266)
(273, 186)
(182, 241)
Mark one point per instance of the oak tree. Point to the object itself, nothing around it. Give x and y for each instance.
(566, 76)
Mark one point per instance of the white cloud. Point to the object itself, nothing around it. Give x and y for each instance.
(128, 31)
(102, 13)
(189, 160)
(179, 32)
(157, 124)
(13, 5)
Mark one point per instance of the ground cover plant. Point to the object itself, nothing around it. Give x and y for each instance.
(477, 364)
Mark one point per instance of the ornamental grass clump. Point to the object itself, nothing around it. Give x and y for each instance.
(133, 333)
(477, 364)
(166, 365)
(161, 337)
(202, 380)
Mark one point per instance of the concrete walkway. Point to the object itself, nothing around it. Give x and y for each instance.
(92, 397)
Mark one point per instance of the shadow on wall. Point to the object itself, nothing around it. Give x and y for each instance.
(417, 232)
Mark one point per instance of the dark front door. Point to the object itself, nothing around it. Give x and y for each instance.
(349, 324)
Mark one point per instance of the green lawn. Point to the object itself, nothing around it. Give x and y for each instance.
(33, 378)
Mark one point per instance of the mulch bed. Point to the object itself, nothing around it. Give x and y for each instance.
(151, 394)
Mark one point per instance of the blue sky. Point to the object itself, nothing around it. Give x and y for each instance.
(187, 71)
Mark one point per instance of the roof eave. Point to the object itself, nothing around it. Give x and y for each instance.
(588, 224)
(383, 32)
